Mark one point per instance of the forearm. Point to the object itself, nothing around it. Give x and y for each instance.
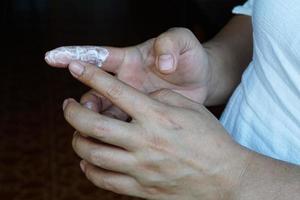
(265, 178)
(230, 52)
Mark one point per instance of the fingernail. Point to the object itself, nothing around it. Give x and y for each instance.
(82, 165)
(165, 62)
(89, 105)
(76, 69)
(65, 103)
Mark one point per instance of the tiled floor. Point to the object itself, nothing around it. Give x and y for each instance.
(36, 158)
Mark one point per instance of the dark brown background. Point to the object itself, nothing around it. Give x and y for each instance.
(36, 159)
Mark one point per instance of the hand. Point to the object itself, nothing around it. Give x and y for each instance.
(172, 149)
(174, 60)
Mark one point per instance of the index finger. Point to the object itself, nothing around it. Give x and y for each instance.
(109, 58)
(127, 98)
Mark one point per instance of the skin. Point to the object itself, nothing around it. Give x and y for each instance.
(138, 66)
(172, 148)
(206, 73)
(147, 158)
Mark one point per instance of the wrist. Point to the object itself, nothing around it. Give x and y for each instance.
(230, 168)
(267, 178)
(241, 174)
(214, 63)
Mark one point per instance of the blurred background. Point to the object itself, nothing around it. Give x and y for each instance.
(36, 158)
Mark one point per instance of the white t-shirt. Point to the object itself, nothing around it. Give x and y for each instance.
(264, 112)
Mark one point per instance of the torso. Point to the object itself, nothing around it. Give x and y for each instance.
(264, 112)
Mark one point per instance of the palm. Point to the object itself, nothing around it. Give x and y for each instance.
(190, 78)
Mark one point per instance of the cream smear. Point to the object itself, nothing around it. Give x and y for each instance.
(90, 54)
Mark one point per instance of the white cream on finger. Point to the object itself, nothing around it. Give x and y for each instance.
(90, 54)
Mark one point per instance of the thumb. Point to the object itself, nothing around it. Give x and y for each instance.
(172, 98)
(168, 47)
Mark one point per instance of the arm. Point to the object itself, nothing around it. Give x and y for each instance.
(266, 178)
(230, 52)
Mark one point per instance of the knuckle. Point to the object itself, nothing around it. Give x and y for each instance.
(152, 191)
(151, 180)
(159, 191)
(115, 91)
(158, 145)
(164, 115)
(90, 75)
(161, 94)
(180, 30)
(151, 167)
(108, 184)
(100, 131)
(184, 30)
(94, 157)
(162, 145)
(154, 165)
(158, 109)
(98, 159)
(163, 39)
(175, 29)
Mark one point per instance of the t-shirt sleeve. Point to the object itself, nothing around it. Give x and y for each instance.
(245, 9)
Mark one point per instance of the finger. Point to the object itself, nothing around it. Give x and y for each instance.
(115, 113)
(174, 99)
(98, 103)
(103, 155)
(100, 127)
(169, 45)
(108, 58)
(112, 181)
(127, 98)
(62, 56)
(95, 101)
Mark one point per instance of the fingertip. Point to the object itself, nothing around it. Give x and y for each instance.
(51, 61)
(67, 102)
(46, 57)
(58, 57)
